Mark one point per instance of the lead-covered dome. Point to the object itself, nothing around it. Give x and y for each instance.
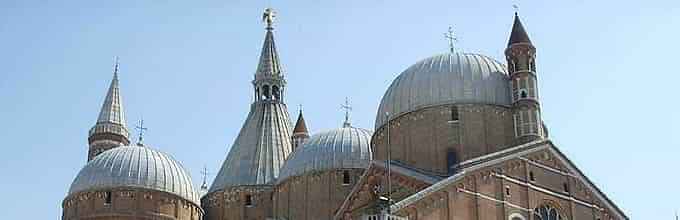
(136, 167)
(342, 148)
(451, 78)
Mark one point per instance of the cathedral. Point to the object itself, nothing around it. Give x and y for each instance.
(457, 136)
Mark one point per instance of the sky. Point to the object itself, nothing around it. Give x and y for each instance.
(607, 80)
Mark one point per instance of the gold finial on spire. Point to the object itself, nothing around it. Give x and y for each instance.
(449, 35)
(268, 17)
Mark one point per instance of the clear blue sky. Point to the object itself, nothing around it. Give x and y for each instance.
(607, 73)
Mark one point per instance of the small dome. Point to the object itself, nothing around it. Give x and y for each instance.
(138, 167)
(451, 78)
(345, 147)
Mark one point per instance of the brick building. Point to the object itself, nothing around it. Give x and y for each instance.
(457, 136)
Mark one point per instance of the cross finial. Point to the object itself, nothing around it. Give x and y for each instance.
(268, 17)
(516, 7)
(205, 173)
(300, 108)
(347, 109)
(449, 35)
(141, 130)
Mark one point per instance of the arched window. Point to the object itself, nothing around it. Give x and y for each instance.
(523, 94)
(454, 114)
(107, 198)
(546, 212)
(345, 177)
(275, 92)
(248, 201)
(265, 91)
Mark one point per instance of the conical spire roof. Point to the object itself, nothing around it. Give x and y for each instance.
(269, 59)
(112, 110)
(260, 148)
(110, 130)
(300, 125)
(264, 142)
(518, 34)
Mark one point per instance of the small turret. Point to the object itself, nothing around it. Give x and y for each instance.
(300, 132)
(110, 130)
(521, 58)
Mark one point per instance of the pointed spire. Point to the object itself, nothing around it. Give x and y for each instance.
(264, 142)
(518, 34)
(110, 130)
(300, 125)
(269, 59)
(112, 110)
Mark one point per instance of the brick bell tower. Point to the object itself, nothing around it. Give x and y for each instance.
(521, 57)
(110, 130)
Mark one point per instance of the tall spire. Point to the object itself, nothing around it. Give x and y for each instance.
(112, 109)
(264, 142)
(110, 130)
(518, 34)
(269, 58)
(521, 62)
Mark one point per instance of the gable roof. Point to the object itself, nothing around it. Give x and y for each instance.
(396, 167)
(510, 153)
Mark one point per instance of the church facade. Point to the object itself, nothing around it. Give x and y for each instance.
(457, 136)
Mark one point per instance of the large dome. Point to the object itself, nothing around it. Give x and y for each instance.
(137, 167)
(341, 148)
(451, 78)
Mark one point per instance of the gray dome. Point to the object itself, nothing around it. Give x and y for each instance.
(451, 78)
(137, 167)
(345, 147)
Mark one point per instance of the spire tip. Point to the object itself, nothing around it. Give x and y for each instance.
(116, 66)
(268, 18)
